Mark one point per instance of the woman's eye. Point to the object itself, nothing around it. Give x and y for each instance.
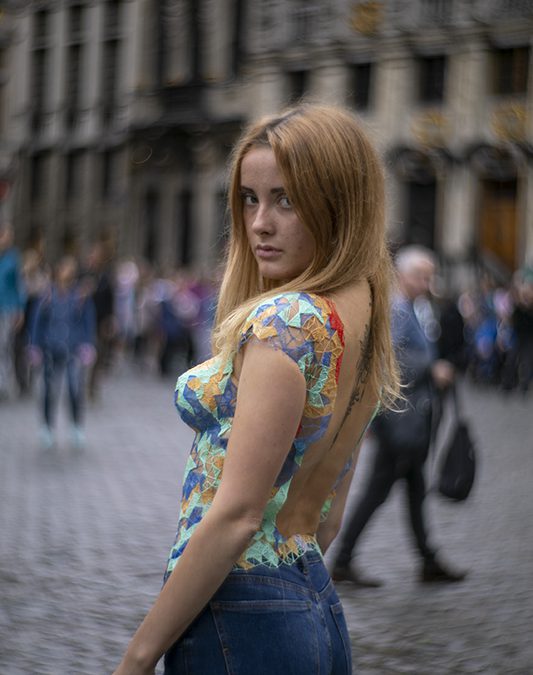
(285, 202)
(248, 199)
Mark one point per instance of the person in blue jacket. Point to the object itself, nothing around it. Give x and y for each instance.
(63, 339)
(12, 299)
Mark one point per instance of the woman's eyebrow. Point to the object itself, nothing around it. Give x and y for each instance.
(274, 191)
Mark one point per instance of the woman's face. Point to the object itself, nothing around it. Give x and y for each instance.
(66, 272)
(282, 245)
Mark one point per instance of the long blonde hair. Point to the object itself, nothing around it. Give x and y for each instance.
(334, 180)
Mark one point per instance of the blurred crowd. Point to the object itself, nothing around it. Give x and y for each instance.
(162, 321)
(78, 318)
(498, 330)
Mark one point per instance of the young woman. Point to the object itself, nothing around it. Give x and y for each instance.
(302, 360)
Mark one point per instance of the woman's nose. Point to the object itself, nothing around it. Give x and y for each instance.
(263, 222)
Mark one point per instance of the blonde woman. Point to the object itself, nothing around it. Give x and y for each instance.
(302, 360)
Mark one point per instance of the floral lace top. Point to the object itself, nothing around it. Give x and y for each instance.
(307, 328)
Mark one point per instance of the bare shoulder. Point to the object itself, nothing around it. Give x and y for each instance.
(354, 306)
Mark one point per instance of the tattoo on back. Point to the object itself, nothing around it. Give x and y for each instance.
(362, 375)
(363, 367)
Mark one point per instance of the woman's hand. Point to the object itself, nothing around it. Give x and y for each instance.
(443, 373)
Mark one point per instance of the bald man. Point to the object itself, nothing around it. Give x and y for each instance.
(403, 439)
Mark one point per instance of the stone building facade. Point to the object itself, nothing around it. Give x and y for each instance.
(120, 115)
(7, 154)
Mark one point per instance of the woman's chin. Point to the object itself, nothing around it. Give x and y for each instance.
(271, 273)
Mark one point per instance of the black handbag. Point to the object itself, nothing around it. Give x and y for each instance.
(458, 466)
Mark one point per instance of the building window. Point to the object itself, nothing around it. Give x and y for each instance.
(38, 78)
(73, 174)
(39, 67)
(109, 79)
(184, 243)
(110, 59)
(421, 213)
(112, 18)
(151, 211)
(237, 41)
(511, 70)
(109, 174)
(41, 28)
(431, 82)
(37, 176)
(73, 77)
(74, 73)
(298, 83)
(360, 79)
(76, 20)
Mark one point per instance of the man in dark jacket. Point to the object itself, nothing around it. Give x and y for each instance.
(522, 323)
(403, 439)
(98, 283)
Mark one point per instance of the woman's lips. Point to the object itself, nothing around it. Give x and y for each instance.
(267, 252)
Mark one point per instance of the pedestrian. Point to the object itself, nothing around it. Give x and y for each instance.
(403, 438)
(36, 279)
(179, 310)
(62, 340)
(12, 300)
(126, 281)
(522, 326)
(98, 279)
(303, 357)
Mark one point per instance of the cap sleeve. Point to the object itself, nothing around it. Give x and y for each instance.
(307, 330)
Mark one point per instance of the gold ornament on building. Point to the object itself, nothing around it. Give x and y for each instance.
(430, 128)
(366, 17)
(509, 122)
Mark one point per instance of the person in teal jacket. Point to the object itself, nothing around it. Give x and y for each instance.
(12, 300)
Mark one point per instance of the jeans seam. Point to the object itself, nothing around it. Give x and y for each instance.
(223, 643)
(325, 630)
(347, 645)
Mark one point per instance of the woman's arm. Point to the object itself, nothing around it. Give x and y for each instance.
(270, 403)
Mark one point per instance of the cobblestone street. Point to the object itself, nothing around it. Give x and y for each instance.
(84, 538)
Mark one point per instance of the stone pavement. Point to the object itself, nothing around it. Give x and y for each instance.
(84, 537)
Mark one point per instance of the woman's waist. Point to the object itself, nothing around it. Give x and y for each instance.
(305, 578)
(270, 549)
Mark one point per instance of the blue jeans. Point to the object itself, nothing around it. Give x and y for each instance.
(54, 366)
(268, 621)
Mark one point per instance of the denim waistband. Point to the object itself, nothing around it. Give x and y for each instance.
(306, 576)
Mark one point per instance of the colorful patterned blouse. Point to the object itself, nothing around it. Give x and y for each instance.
(307, 328)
